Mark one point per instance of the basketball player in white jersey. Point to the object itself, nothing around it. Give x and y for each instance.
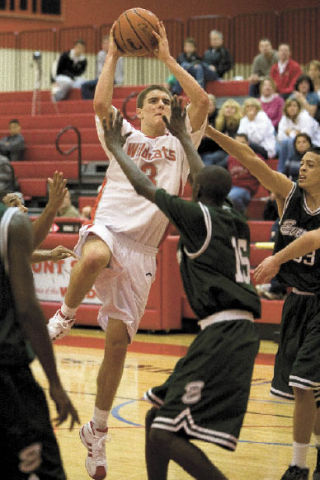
(118, 252)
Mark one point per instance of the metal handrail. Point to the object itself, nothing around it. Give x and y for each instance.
(72, 149)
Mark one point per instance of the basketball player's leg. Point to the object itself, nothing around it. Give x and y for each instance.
(95, 256)
(93, 433)
(163, 446)
(316, 432)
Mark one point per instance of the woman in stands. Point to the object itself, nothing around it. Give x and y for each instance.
(271, 102)
(293, 121)
(302, 143)
(258, 127)
(227, 121)
(304, 92)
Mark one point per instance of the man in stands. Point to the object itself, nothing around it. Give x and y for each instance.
(261, 66)
(118, 251)
(217, 59)
(285, 72)
(70, 68)
(12, 146)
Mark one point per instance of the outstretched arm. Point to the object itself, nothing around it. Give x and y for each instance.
(115, 141)
(178, 128)
(102, 101)
(277, 183)
(29, 313)
(198, 109)
(270, 266)
(58, 253)
(41, 226)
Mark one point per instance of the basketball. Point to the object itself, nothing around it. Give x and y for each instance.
(133, 32)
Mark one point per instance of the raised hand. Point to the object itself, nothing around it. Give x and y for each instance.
(162, 52)
(177, 125)
(112, 125)
(57, 190)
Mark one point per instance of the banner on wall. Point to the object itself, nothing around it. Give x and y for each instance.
(51, 281)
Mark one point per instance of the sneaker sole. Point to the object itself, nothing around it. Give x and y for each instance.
(100, 472)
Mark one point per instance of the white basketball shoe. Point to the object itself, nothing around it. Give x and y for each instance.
(94, 440)
(59, 325)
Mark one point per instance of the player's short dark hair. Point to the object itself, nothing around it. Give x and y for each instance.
(142, 95)
(314, 149)
(215, 184)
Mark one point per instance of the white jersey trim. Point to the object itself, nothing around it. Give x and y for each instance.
(208, 223)
(287, 200)
(4, 227)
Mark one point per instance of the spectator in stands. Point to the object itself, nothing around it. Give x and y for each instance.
(88, 88)
(207, 145)
(302, 143)
(86, 212)
(293, 121)
(217, 59)
(261, 66)
(227, 121)
(244, 185)
(191, 62)
(304, 92)
(271, 103)
(258, 127)
(66, 208)
(285, 72)
(12, 146)
(70, 67)
(313, 70)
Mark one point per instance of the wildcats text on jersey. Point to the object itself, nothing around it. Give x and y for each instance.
(143, 150)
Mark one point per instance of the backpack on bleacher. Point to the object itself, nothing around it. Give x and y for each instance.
(8, 181)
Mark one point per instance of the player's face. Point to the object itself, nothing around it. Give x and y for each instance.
(13, 200)
(309, 173)
(156, 104)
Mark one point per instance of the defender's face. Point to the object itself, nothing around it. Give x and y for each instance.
(13, 200)
(155, 105)
(309, 173)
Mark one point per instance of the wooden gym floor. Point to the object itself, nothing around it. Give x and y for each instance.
(264, 449)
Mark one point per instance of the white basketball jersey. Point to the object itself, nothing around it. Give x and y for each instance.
(163, 159)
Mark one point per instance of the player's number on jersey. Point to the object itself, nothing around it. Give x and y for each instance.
(308, 259)
(150, 170)
(240, 246)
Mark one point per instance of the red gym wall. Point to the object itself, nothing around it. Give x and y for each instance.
(97, 12)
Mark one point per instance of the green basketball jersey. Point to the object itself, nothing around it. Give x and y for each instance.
(214, 251)
(14, 350)
(302, 273)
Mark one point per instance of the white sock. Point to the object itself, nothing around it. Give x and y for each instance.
(67, 311)
(100, 418)
(299, 457)
(317, 437)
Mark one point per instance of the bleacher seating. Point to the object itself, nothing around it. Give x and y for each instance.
(167, 302)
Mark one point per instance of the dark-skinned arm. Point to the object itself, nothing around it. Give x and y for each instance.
(54, 255)
(115, 141)
(177, 127)
(29, 313)
(41, 226)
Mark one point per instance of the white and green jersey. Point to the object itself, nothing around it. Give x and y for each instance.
(214, 251)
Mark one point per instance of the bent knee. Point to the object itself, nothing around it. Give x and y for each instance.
(95, 258)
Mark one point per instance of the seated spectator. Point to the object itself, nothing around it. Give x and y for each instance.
(88, 88)
(207, 145)
(70, 66)
(301, 145)
(285, 72)
(191, 62)
(313, 70)
(86, 212)
(304, 92)
(293, 121)
(258, 127)
(12, 146)
(261, 66)
(217, 59)
(66, 209)
(244, 185)
(227, 121)
(271, 103)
